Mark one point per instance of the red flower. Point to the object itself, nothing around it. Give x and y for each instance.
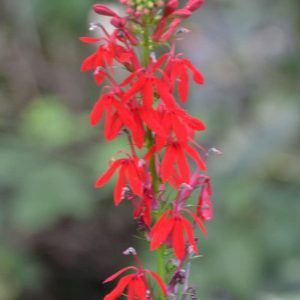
(136, 284)
(117, 115)
(147, 83)
(173, 229)
(175, 157)
(177, 68)
(105, 55)
(129, 172)
(142, 116)
(180, 123)
(102, 57)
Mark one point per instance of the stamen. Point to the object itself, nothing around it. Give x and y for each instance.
(93, 26)
(129, 251)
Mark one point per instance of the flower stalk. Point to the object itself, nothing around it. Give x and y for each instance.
(161, 137)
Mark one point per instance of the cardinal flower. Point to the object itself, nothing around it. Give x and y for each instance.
(136, 284)
(174, 228)
(147, 83)
(105, 54)
(117, 115)
(142, 116)
(174, 158)
(129, 172)
(177, 68)
(179, 122)
(102, 57)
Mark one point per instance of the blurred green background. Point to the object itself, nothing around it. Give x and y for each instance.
(59, 238)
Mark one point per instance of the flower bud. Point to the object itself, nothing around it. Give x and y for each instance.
(193, 5)
(170, 7)
(182, 13)
(104, 11)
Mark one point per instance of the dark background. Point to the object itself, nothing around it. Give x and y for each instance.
(59, 238)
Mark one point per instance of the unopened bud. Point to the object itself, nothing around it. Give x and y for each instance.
(104, 11)
(182, 13)
(192, 5)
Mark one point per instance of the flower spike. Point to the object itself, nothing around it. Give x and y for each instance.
(140, 100)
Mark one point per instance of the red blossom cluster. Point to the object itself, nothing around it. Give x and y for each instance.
(145, 106)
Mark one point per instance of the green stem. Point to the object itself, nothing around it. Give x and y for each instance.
(155, 180)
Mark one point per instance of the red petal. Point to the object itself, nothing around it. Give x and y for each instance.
(134, 180)
(118, 290)
(89, 63)
(150, 152)
(190, 233)
(109, 173)
(115, 275)
(162, 90)
(99, 77)
(135, 88)
(89, 39)
(198, 221)
(183, 85)
(148, 94)
(198, 77)
(167, 165)
(155, 233)
(196, 156)
(162, 234)
(138, 132)
(152, 122)
(140, 288)
(109, 56)
(125, 115)
(147, 216)
(115, 128)
(130, 290)
(195, 123)
(178, 240)
(183, 165)
(119, 186)
(179, 129)
(160, 61)
(176, 69)
(159, 281)
(97, 111)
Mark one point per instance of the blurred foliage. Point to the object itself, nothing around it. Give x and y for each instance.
(59, 237)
